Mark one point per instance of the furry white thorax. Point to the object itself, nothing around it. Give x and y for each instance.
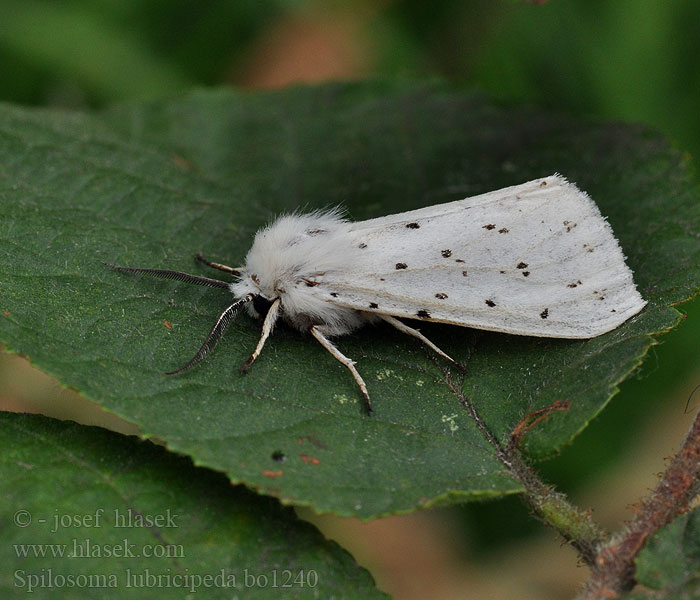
(289, 260)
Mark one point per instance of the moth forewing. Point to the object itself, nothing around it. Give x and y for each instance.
(534, 259)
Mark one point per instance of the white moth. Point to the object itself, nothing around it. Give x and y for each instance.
(534, 259)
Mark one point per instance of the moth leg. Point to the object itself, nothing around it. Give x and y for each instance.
(213, 265)
(317, 332)
(268, 324)
(417, 334)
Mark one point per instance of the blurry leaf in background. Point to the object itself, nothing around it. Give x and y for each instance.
(83, 52)
(635, 60)
(64, 48)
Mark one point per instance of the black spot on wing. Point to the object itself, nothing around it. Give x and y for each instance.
(446, 253)
(362, 245)
(373, 305)
(503, 230)
(441, 296)
(412, 226)
(545, 313)
(490, 226)
(400, 266)
(490, 303)
(423, 314)
(526, 273)
(521, 265)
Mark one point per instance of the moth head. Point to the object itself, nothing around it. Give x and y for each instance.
(262, 295)
(261, 305)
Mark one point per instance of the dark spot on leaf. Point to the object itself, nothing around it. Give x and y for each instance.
(490, 303)
(526, 273)
(447, 253)
(490, 226)
(412, 226)
(166, 324)
(423, 314)
(441, 296)
(373, 305)
(279, 456)
(503, 230)
(545, 313)
(400, 266)
(521, 265)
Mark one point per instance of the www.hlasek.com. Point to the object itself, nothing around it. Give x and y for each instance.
(193, 582)
(86, 548)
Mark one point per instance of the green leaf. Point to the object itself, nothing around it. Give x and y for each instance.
(671, 559)
(109, 510)
(151, 184)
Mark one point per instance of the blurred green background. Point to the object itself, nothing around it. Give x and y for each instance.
(628, 60)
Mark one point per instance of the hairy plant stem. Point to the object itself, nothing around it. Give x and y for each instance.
(573, 524)
(613, 568)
